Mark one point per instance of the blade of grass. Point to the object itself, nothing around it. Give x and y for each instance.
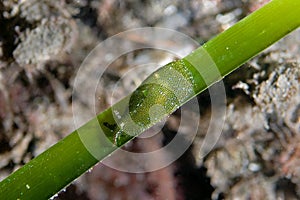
(54, 169)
